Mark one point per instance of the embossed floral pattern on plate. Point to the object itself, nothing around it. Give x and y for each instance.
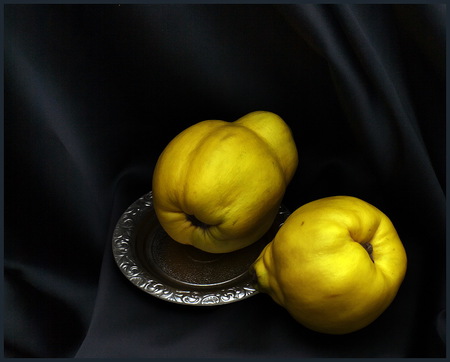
(178, 273)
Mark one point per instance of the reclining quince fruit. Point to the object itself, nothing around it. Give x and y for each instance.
(218, 185)
(335, 264)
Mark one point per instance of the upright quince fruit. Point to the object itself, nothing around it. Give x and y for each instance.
(218, 185)
(335, 264)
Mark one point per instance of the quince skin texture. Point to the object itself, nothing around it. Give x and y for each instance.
(218, 185)
(335, 264)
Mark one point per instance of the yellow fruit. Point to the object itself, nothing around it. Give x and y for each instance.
(218, 185)
(335, 265)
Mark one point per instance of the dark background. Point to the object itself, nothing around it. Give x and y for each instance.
(93, 93)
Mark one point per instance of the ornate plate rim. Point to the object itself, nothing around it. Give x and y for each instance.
(123, 247)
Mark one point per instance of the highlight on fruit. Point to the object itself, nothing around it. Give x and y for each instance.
(335, 265)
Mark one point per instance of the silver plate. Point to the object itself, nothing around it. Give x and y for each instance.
(178, 273)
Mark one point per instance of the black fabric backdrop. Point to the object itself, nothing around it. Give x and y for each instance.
(93, 93)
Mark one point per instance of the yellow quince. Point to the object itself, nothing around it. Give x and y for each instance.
(218, 185)
(335, 265)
